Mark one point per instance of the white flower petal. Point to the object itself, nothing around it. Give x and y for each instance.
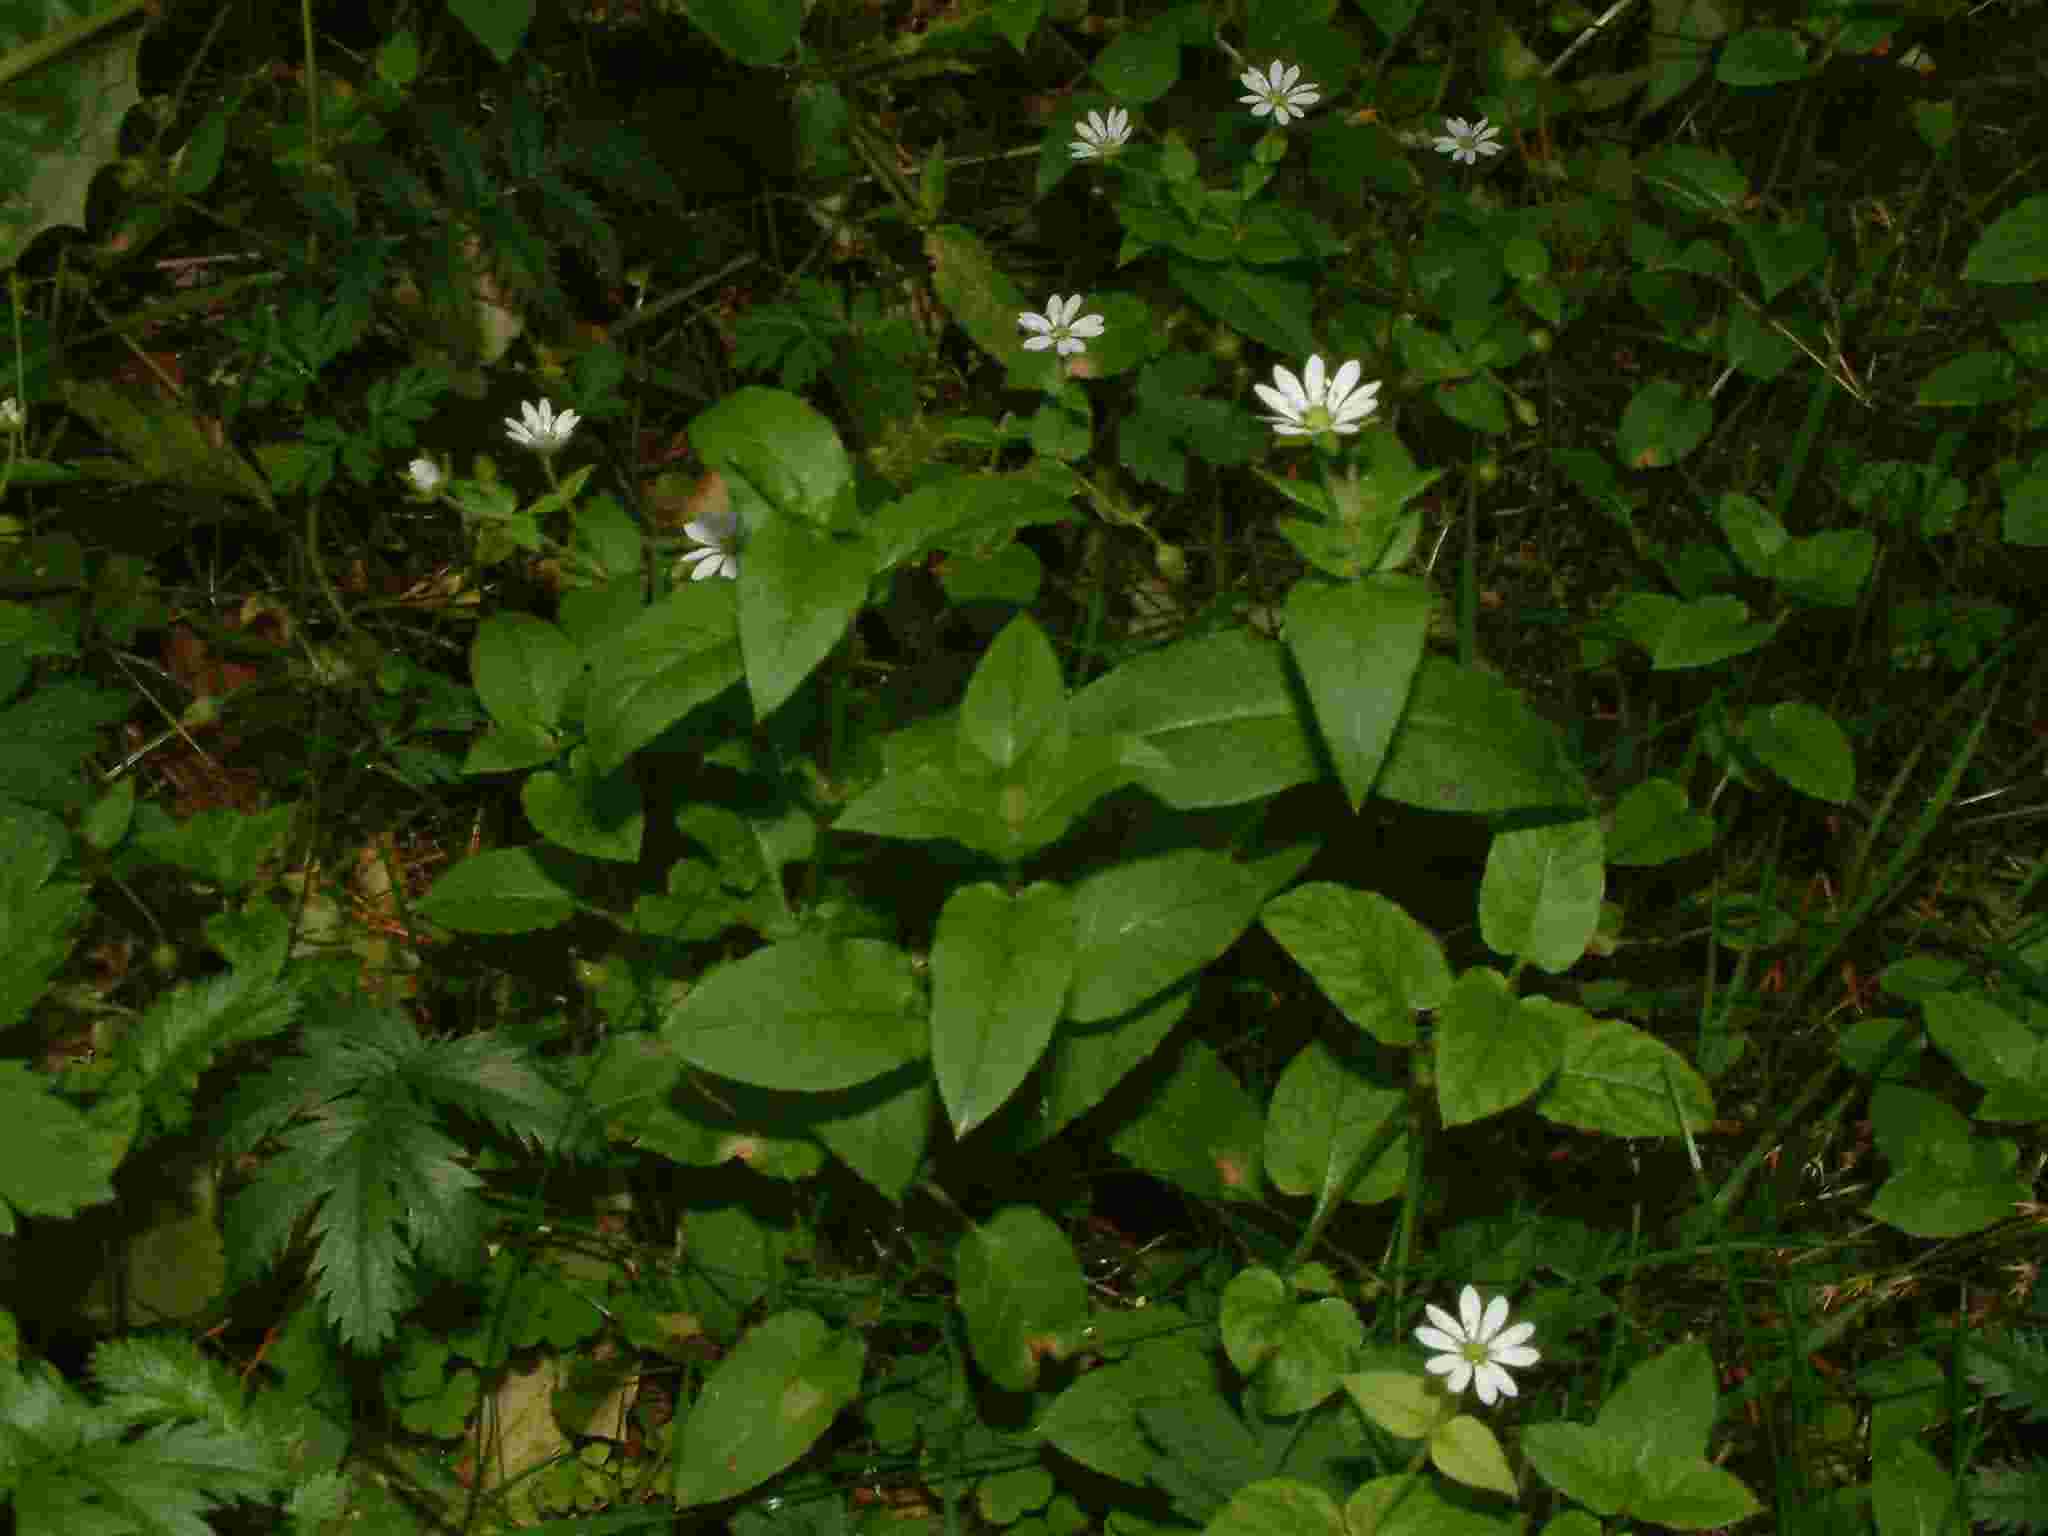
(1512, 1338)
(1495, 1319)
(1436, 1338)
(1469, 1310)
(1312, 381)
(1032, 322)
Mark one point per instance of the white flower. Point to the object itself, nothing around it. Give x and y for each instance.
(542, 430)
(1477, 1347)
(717, 535)
(1310, 405)
(1058, 328)
(425, 476)
(12, 417)
(1466, 142)
(1276, 92)
(1098, 137)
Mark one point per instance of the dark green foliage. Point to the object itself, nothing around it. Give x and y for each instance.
(362, 1149)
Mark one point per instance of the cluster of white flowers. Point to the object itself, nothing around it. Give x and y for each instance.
(12, 417)
(1315, 402)
(1477, 1346)
(1309, 405)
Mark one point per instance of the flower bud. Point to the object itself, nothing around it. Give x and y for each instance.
(1540, 339)
(1526, 412)
(1170, 561)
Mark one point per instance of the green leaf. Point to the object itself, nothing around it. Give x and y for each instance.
(1493, 1050)
(789, 453)
(1021, 1290)
(1279, 1506)
(587, 811)
(1469, 743)
(1015, 696)
(767, 1403)
(199, 161)
(1397, 1402)
(880, 1130)
(1323, 1118)
(799, 590)
(1784, 255)
(756, 32)
(1478, 403)
(1096, 1419)
(1370, 958)
(1695, 181)
(681, 652)
(1001, 966)
(1975, 378)
(1539, 899)
(1318, 1344)
(524, 668)
(1666, 1404)
(1945, 1183)
(1364, 522)
(1142, 65)
(60, 124)
(1466, 1451)
(1200, 1130)
(38, 921)
(1085, 1065)
(1221, 712)
(2014, 249)
(1761, 56)
(812, 1015)
(1988, 1043)
(1654, 824)
(1804, 747)
(52, 1163)
(1263, 305)
(1143, 925)
(1705, 631)
(1206, 1452)
(1253, 1318)
(510, 748)
(1358, 646)
(222, 847)
(605, 542)
(1661, 426)
(2025, 519)
(504, 890)
(164, 441)
(985, 302)
(1829, 567)
(1910, 1491)
(500, 25)
(1689, 1493)
(1617, 1079)
(1391, 16)
(1592, 1466)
